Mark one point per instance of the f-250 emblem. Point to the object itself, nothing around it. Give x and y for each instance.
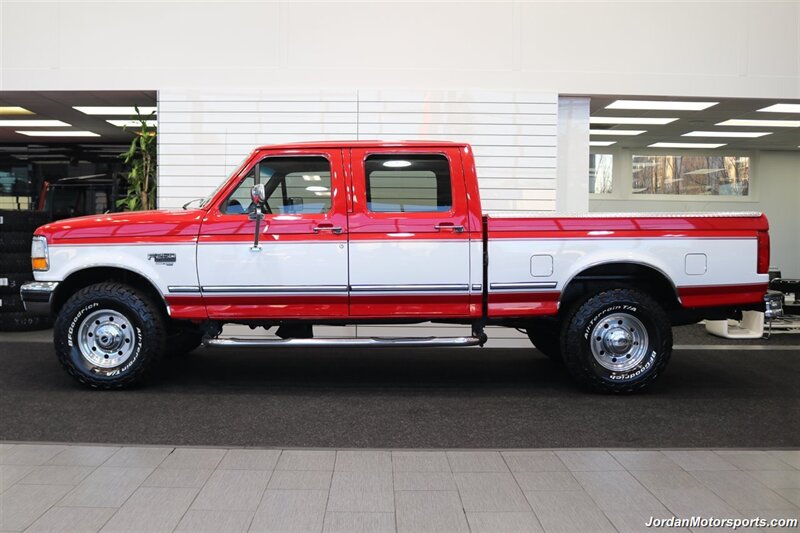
(162, 259)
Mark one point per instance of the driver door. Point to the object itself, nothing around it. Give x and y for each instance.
(299, 269)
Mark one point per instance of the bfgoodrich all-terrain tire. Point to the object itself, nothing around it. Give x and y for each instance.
(617, 341)
(109, 336)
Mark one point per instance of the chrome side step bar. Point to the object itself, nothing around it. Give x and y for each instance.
(367, 342)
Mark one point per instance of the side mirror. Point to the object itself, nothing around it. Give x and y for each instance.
(258, 195)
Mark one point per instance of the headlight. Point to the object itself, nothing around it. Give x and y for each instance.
(40, 259)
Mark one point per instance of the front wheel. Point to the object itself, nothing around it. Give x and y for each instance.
(617, 341)
(109, 336)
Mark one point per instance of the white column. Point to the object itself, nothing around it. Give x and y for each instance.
(572, 163)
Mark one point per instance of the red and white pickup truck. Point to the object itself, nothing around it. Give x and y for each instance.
(339, 233)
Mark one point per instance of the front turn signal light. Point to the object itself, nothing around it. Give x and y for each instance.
(40, 260)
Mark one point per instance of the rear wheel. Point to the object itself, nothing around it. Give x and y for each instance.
(109, 336)
(617, 341)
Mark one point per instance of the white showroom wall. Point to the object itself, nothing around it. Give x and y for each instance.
(775, 190)
(205, 134)
(724, 49)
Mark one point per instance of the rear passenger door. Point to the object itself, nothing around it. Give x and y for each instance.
(409, 242)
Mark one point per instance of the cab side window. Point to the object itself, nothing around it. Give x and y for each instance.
(408, 183)
(294, 185)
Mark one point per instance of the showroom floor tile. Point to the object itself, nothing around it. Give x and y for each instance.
(139, 488)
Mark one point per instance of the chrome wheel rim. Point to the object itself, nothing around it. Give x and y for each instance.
(106, 338)
(619, 342)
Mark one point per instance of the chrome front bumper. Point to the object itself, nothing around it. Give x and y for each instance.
(37, 296)
(773, 305)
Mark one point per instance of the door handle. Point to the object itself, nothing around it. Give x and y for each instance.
(327, 227)
(450, 226)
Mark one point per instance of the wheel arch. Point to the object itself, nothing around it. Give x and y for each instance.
(89, 276)
(610, 274)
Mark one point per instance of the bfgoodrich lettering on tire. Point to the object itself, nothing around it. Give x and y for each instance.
(619, 340)
(109, 336)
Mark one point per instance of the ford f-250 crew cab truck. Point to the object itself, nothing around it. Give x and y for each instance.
(361, 232)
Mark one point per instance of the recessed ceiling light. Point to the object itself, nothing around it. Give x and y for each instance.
(316, 188)
(14, 110)
(132, 123)
(602, 143)
(781, 108)
(760, 123)
(66, 133)
(747, 134)
(661, 105)
(685, 145)
(630, 120)
(33, 124)
(114, 110)
(616, 132)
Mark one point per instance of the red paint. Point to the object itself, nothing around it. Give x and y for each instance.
(722, 295)
(409, 305)
(643, 222)
(762, 263)
(509, 304)
(126, 228)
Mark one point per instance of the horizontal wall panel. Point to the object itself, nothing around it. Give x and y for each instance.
(516, 172)
(479, 140)
(310, 130)
(423, 118)
(513, 162)
(374, 131)
(454, 97)
(285, 117)
(458, 107)
(247, 140)
(255, 106)
(516, 194)
(250, 95)
(496, 206)
(175, 176)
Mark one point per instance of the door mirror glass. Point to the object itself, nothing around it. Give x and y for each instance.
(258, 195)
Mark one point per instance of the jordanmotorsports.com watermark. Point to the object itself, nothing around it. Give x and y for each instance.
(710, 521)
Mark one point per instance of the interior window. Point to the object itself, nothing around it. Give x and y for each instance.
(294, 185)
(408, 183)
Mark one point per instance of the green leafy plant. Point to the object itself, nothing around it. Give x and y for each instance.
(141, 157)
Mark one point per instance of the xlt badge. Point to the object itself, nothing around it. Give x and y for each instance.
(162, 259)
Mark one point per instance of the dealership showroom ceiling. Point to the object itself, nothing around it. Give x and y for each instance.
(728, 123)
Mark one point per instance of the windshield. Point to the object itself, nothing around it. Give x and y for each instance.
(213, 193)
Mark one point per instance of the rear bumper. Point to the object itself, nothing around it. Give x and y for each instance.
(37, 296)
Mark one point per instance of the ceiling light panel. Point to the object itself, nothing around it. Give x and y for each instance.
(744, 134)
(685, 145)
(631, 120)
(660, 105)
(114, 110)
(602, 143)
(132, 123)
(33, 124)
(66, 133)
(754, 123)
(14, 110)
(781, 108)
(616, 132)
